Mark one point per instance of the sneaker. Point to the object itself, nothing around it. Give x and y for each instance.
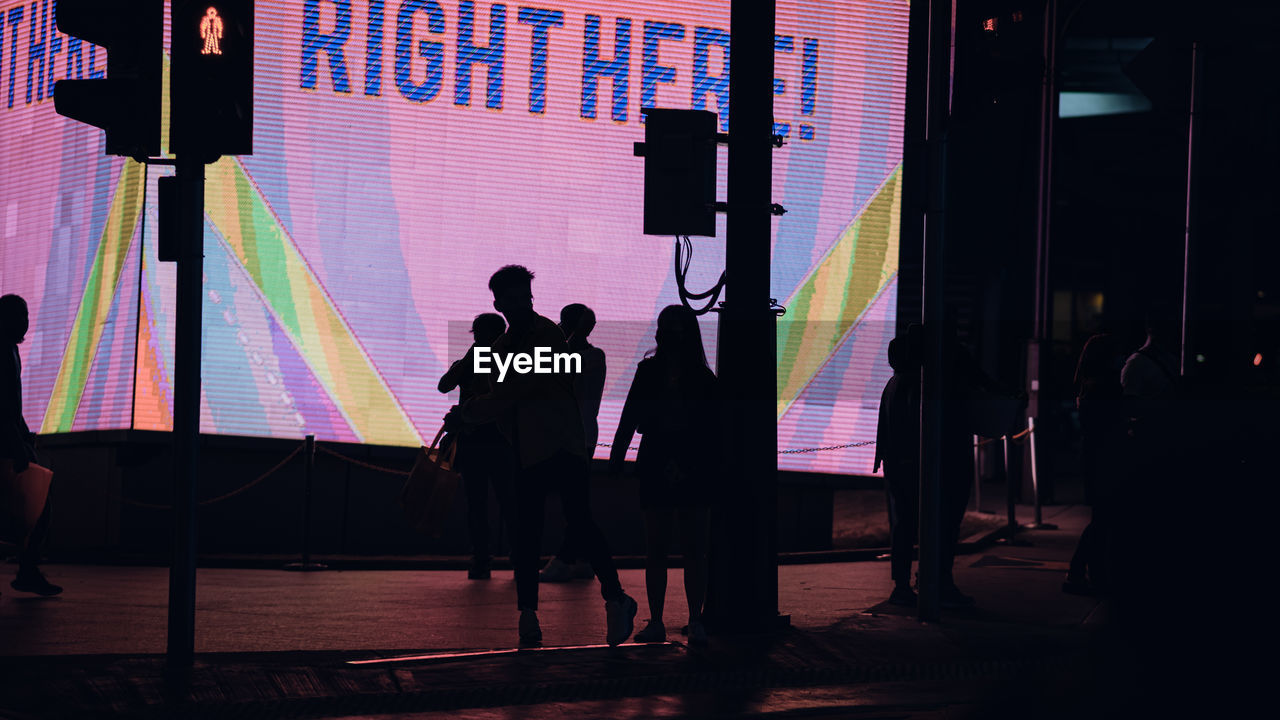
(34, 582)
(697, 633)
(581, 570)
(950, 597)
(904, 596)
(654, 632)
(530, 630)
(621, 614)
(555, 571)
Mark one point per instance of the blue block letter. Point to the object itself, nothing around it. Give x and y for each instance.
(35, 51)
(619, 69)
(703, 39)
(313, 42)
(542, 21)
(469, 54)
(808, 85)
(432, 51)
(373, 48)
(651, 72)
(15, 17)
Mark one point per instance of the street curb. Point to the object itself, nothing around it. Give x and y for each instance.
(972, 544)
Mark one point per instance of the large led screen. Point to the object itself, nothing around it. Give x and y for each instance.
(403, 151)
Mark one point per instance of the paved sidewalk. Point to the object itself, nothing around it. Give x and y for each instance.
(274, 644)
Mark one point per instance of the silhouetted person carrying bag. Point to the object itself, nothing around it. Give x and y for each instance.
(17, 442)
(539, 414)
(484, 457)
(673, 404)
(576, 322)
(898, 450)
(1102, 430)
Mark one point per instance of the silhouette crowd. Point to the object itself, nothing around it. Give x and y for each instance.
(534, 434)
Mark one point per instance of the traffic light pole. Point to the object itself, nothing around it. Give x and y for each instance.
(743, 594)
(937, 114)
(186, 413)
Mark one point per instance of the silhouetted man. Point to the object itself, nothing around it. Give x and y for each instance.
(898, 449)
(963, 377)
(538, 413)
(484, 457)
(17, 442)
(576, 322)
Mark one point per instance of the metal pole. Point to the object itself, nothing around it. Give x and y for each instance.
(310, 464)
(1193, 128)
(1037, 356)
(180, 647)
(742, 593)
(937, 113)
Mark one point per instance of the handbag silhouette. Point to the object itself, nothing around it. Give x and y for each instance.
(22, 497)
(427, 496)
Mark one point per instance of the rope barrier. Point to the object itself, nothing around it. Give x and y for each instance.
(405, 473)
(233, 493)
(1017, 436)
(361, 463)
(785, 452)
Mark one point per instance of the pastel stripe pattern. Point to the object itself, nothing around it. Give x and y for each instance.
(830, 301)
(301, 306)
(96, 301)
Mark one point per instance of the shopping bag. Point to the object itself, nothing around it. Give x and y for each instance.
(22, 498)
(427, 496)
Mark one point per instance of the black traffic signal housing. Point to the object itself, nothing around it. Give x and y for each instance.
(127, 102)
(211, 78)
(679, 153)
(169, 198)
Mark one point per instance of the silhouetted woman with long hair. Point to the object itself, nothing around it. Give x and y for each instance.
(672, 403)
(1102, 430)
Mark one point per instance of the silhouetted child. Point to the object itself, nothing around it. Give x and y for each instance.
(576, 322)
(484, 456)
(539, 414)
(672, 403)
(17, 442)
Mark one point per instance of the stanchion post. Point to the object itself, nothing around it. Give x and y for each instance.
(1011, 506)
(977, 476)
(1038, 523)
(310, 465)
(1008, 484)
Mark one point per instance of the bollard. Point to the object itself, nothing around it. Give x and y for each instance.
(310, 464)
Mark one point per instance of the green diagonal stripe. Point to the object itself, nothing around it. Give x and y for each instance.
(829, 302)
(95, 303)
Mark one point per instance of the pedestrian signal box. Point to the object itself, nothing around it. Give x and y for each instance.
(679, 153)
(211, 80)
